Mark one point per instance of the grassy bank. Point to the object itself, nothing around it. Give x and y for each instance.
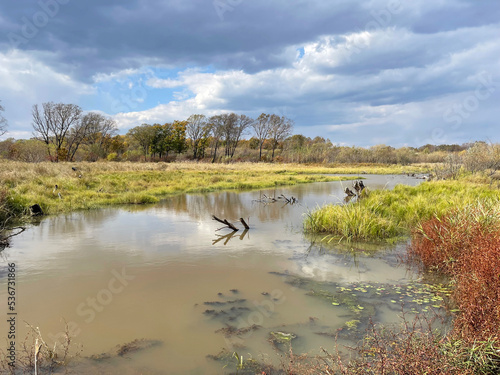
(385, 214)
(94, 185)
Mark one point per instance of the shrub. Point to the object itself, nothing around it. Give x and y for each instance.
(465, 244)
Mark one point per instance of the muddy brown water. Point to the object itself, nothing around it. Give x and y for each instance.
(166, 273)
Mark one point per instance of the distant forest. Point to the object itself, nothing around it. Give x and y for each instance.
(62, 132)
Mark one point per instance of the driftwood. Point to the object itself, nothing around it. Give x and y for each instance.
(4, 241)
(266, 199)
(225, 222)
(282, 197)
(244, 223)
(359, 186)
(349, 192)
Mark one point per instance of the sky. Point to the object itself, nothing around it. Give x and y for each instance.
(401, 73)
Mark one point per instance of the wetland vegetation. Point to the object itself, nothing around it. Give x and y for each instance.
(453, 223)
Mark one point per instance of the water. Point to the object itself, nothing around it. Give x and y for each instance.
(166, 272)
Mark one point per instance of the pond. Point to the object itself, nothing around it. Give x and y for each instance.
(165, 273)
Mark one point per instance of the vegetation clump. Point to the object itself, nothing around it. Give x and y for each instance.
(388, 214)
(465, 244)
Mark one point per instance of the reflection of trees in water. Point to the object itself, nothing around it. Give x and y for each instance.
(78, 222)
(231, 206)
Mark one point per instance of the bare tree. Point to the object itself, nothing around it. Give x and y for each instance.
(198, 131)
(229, 131)
(262, 127)
(94, 130)
(280, 128)
(217, 132)
(3, 122)
(53, 124)
(242, 124)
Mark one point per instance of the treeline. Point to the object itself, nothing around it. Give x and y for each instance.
(63, 133)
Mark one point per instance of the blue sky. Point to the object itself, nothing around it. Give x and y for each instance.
(356, 72)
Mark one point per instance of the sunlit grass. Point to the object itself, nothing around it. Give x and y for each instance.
(385, 214)
(95, 185)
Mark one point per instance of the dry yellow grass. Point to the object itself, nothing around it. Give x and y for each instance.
(92, 185)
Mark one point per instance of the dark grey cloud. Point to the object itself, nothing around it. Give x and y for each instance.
(366, 65)
(104, 36)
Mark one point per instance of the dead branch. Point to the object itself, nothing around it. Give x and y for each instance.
(22, 229)
(244, 223)
(349, 192)
(225, 222)
(286, 199)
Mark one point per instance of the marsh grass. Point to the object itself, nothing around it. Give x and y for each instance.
(384, 214)
(95, 185)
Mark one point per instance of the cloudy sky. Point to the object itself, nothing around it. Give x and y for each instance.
(406, 72)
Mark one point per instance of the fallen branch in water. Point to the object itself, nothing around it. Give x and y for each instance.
(4, 241)
(292, 200)
(225, 222)
(244, 223)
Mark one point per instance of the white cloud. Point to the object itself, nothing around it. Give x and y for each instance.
(24, 81)
(401, 94)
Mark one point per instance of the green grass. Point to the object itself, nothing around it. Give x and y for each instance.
(96, 185)
(384, 214)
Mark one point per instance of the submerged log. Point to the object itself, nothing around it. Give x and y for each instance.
(225, 222)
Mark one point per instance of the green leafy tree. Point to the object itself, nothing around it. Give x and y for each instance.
(162, 142)
(179, 141)
(142, 135)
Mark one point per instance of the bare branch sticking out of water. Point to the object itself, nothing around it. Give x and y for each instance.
(225, 222)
